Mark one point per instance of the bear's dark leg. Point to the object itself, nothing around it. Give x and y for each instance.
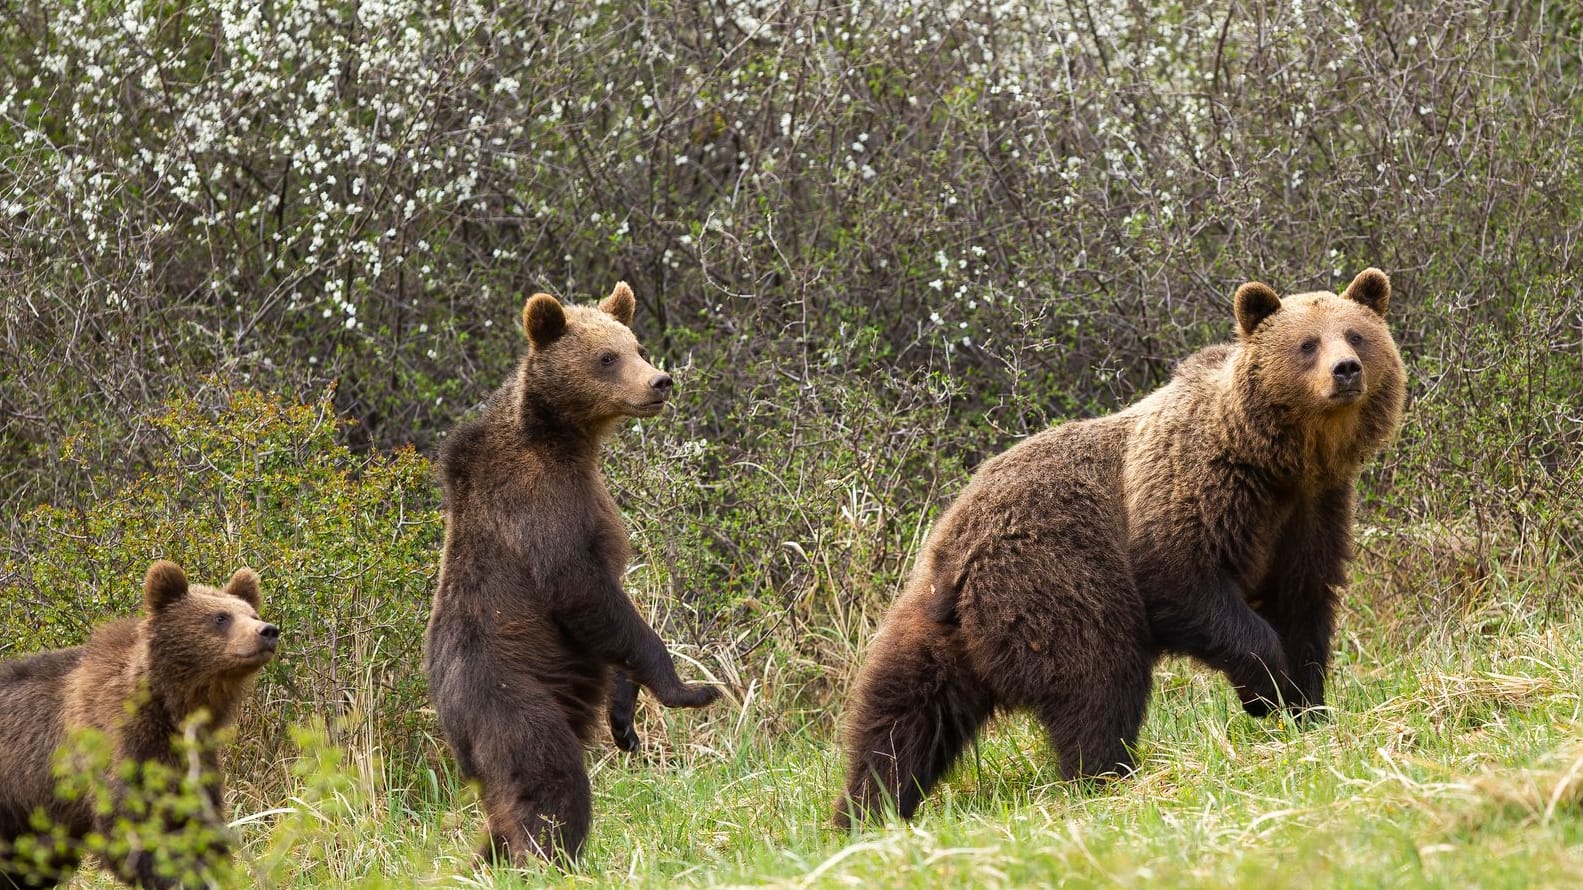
(141, 870)
(1094, 728)
(603, 620)
(10, 881)
(176, 850)
(623, 707)
(536, 795)
(913, 710)
(1305, 624)
(1210, 620)
(29, 873)
(510, 734)
(1298, 598)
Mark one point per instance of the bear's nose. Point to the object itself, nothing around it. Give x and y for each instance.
(662, 382)
(1347, 373)
(271, 635)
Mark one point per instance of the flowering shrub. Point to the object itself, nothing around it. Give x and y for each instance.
(960, 219)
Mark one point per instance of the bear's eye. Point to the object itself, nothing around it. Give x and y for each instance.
(607, 358)
(221, 619)
(1309, 346)
(1355, 338)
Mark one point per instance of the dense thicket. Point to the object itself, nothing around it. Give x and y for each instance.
(875, 241)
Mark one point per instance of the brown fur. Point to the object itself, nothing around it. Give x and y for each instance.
(1212, 518)
(140, 682)
(530, 615)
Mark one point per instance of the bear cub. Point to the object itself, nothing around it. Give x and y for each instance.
(531, 633)
(1212, 518)
(143, 683)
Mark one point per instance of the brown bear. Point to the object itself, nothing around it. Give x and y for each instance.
(144, 684)
(530, 616)
(1212, 518)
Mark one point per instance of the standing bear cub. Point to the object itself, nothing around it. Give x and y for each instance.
(1212, 518)
(143, 683)
(530, 617)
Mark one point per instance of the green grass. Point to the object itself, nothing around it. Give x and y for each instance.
(1447, 764)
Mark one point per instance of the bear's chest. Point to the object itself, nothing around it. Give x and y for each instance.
(1261, 558)
(1218, 521)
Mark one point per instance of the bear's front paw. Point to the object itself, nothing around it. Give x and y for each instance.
(691, 695)
(1258, 705)
(1305, 697)
(1259, 699)
(625, 735)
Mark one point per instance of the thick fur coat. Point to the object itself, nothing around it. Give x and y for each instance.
(1212, 519)
(530, 625)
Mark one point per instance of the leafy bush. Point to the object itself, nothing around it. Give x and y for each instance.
(1482, 497)
(345, 547)
(785, 544)
(1048, 203)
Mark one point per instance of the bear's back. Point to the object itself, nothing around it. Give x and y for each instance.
(462, 455)
(38, 668)
(31, 694)
(95, 693)
(31, 689)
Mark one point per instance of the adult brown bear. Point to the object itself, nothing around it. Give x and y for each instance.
(530, 617)
(1212, 518)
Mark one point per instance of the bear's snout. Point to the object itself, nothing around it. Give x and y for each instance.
(662, 384)
(1348, 375)
(270, 634)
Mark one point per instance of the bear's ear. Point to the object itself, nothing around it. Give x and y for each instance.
(620, 304)
(244, 586)
(1372, 288)
(164, 584)
(1255, 302)
(543, 319)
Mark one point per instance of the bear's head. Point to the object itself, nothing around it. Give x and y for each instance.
(1321, 370)
(202, 641)
(584, 366)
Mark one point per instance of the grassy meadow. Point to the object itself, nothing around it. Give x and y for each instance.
(1447, 763)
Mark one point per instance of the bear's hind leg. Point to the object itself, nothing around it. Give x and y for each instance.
(541, 805)
(914, 709)
(534, 788)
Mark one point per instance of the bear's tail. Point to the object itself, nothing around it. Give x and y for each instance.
(914, 708)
